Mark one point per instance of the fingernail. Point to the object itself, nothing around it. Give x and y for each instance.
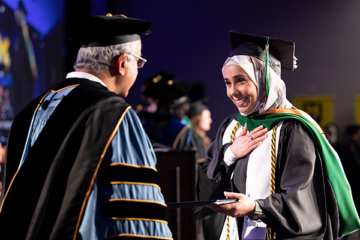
(225, 193)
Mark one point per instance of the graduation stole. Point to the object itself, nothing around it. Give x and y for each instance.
(349, 219)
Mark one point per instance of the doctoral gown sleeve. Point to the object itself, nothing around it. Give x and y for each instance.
(298, 208)
(126, 199)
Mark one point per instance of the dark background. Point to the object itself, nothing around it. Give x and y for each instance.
(190, 39)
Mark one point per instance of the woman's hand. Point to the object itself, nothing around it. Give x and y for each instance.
(243, 145)
(244, 207)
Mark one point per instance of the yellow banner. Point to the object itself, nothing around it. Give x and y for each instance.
(357, 109)
(319, 107)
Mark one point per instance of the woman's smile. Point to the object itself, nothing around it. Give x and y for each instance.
(240, 102)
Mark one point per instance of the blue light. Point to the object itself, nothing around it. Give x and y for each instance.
(42, 15)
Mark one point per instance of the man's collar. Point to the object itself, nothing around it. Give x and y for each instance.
(86, 76)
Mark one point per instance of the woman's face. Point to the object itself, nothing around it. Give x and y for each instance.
(205, 120)
(240, 88)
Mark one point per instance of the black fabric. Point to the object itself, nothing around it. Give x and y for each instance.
(281, 52)
(49, 189)
(98, 31)
(123, 209)
(167, 91)
(195, 142)
(120, 173)
(304, 205)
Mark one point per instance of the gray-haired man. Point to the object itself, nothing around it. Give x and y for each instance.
(79, 164)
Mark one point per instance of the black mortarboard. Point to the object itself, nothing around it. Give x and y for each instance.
(166, 89)
(97, 31)
(150, 87)
(281, 52)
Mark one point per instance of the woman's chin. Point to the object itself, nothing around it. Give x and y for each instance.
(244, 110)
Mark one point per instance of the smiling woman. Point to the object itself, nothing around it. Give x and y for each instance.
(303, 170)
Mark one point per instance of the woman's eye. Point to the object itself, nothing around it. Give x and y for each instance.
(227, 83)
(240, 80)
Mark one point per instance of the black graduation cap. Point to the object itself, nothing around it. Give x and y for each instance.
(97, 31)
(150, 87)
(198, 97)
(166, 89)
(281, 52)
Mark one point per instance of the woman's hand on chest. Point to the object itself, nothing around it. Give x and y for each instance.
(245, 143)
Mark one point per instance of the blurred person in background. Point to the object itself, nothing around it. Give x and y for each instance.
(332, 132)
(79, 164)
(199, 114)
(149, 95)
(166, 126)
(3, 142)
(200, 117)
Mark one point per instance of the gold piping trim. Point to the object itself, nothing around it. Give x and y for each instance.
(137, 183)
(12, 180)
(96, 170)
(75, 85)
(139, 219)
(178, 136)
(135, 200)
(42, 100)
(139, 236)
(132, 165)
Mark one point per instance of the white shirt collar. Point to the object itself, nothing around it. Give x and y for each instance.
(86, 76)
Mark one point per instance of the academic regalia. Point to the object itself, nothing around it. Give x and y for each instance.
(84, 160)
(303, 201)
(294, 175)
(79, 164)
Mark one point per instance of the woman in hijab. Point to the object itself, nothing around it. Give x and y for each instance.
(272, 157)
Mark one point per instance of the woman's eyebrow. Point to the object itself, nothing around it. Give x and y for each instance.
(239, 75)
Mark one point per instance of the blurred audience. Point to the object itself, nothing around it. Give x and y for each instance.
(166, 125)
(201, 123)
(3, 142)
(349, 153)
(332, 133)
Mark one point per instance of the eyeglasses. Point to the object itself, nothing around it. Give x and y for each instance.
(141, 61)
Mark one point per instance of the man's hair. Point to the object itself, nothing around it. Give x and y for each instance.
(100, 59)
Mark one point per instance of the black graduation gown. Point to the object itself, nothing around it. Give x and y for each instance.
(44, 198)
(304, 205)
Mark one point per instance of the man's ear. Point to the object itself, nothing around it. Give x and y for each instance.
(121, 64)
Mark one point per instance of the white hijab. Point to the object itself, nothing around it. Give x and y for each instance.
(255, 70)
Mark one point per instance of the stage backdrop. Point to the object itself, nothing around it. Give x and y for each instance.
(191, 40)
